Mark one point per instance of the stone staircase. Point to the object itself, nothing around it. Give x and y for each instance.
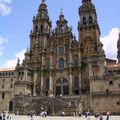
(25, 104)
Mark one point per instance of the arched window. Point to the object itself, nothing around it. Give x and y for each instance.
(61, 63)
(90, 19)
(11, 106)
(84, 20)
(62, 87)
(61, 29)
(61, 50)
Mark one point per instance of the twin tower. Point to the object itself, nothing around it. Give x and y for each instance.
(56, 63)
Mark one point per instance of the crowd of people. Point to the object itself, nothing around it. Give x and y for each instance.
(5, 115)
(97, 116)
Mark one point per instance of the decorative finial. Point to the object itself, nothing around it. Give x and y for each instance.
(43, 1)
(18, 62)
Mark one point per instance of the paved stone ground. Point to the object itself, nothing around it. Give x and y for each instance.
(59, 118)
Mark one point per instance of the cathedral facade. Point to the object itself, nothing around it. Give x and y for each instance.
(56, 64)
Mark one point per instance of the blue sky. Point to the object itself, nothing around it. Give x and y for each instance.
(16, 23)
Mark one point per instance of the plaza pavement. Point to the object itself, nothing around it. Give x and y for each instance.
(17, 117)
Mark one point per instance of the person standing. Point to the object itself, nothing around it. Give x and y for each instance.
(0, 115)
(4, 116)
(101, 117)
(108, 115)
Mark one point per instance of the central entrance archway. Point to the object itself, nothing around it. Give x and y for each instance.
(62, 87)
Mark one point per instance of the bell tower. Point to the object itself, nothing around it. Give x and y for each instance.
(89, 32)
(91, 48)
(39, 35)
(39, 45)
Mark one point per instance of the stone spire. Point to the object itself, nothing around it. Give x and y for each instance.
(118, 47)
(43, 11)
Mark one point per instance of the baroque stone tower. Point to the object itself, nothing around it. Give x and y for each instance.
(91, 49)
(35, 57)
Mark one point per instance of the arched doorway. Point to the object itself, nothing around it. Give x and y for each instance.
(11, 106)
(62, 87)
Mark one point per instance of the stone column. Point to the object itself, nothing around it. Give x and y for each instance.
(51, 76)
(70, 72)
(51, 83)
(42, 78)
(43, 60)
(34, 81)
(41, 92)
(71, 83)
(80, 82)
(70, 56)
(51, 60)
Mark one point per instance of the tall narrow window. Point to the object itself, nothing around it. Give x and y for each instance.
(84, 20)
(11, 106)
(36, 28)
(65, 87)
(3, 95)
(61, 63)
(41, 28)
(58, 87)
(90, 19)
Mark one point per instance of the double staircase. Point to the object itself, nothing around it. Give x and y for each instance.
(53, 105)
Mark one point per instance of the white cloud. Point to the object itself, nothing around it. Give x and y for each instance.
(5, 7)
(5, 1)
(110, 43)
(12, 62)
(2, 41)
